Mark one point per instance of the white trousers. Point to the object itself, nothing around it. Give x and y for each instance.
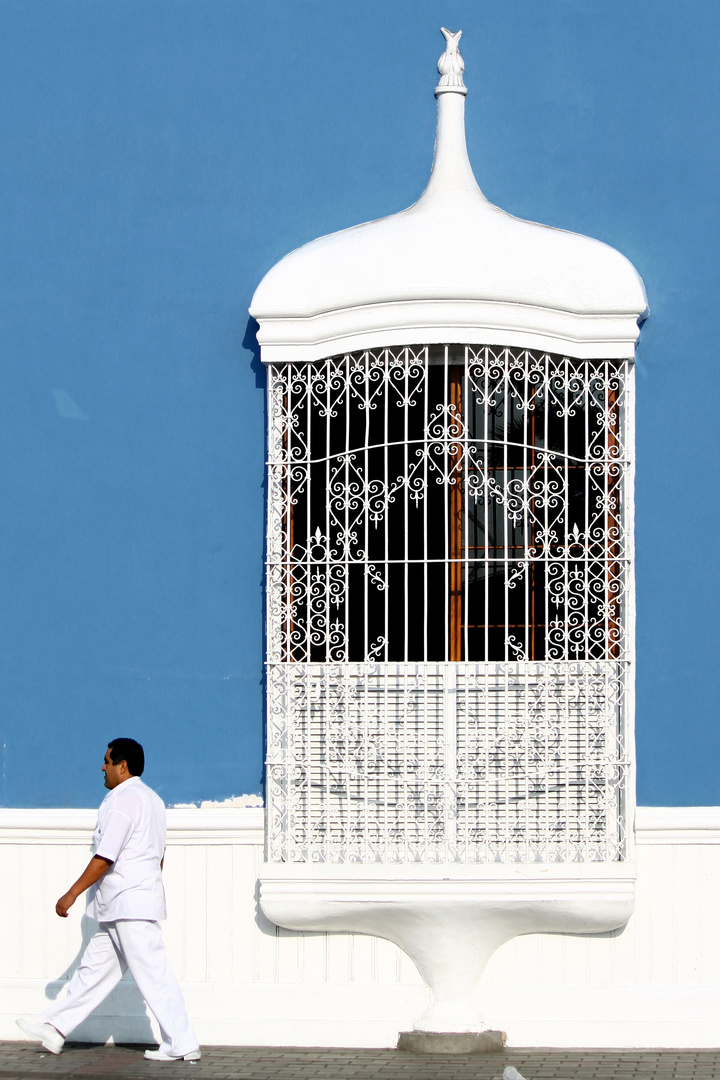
(138, 945)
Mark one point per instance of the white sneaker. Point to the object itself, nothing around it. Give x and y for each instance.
(160, 1055)
(49, 1036)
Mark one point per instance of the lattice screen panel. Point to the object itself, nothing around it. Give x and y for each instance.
(446, 763)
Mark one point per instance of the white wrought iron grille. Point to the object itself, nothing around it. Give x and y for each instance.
(448, 564)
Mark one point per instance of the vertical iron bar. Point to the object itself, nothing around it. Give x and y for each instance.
(470, 441)
(385, 488)
(406, 523)
(506, 411)
(547, 554)
(365, 523)
(344, 404)
(308, 527)
(425, 395)
(485, 355)
(529, 461)
(445, 458)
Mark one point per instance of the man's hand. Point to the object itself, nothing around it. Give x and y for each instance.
(92, 873)
(64, 904)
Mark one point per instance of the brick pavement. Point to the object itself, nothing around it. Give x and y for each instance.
(25, 1061)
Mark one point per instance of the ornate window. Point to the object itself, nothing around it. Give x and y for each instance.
(449, 584)
(447, 637)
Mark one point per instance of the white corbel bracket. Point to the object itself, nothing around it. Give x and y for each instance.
(450, 919)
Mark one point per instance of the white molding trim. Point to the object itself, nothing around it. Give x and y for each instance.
(222, 825)
(677, 824)
(436, 321)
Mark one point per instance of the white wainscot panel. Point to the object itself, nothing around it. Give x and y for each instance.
(654, 983)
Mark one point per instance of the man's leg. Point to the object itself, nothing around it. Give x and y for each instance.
(99, 972)
(141, 943)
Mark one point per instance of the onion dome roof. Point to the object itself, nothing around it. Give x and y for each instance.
(453, 267)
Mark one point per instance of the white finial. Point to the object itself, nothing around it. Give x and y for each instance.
(451, 66)
(451, 170)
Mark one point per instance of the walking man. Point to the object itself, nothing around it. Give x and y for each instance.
(127, 899)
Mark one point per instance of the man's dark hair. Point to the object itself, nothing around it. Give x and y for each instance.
(129, 751)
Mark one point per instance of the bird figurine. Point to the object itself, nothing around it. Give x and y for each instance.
(451, 64)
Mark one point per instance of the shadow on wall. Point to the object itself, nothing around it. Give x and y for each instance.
(251, 344)
(122, 1017)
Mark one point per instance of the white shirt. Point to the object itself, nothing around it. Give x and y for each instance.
(130, 832)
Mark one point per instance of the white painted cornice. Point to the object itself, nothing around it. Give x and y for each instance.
(236, 825)
(677, 825)
(451, 268)
(226, 825)
(457, 321)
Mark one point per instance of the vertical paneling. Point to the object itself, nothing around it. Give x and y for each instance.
(688, 903)
(60, 934)
(659, 941)
(553, 956)
(578, 955)
(363, 964)
(709, 964)
(198, 912)
(34, 900)
(599, 956)
(11, 953)
(287, 964)
(266, 964)
(314, 958)
(175, 928)
(220, 916)
(623, 945)
(649, 886)
(244, 940)
(338, 946)
(387, 962)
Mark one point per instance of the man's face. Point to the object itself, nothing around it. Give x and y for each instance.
(114, 774)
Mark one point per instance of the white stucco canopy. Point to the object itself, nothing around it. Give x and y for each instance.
(452, 267)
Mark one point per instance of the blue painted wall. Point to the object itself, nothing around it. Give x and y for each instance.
(157, 157)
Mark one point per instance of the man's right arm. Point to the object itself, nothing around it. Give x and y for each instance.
(92, 873)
